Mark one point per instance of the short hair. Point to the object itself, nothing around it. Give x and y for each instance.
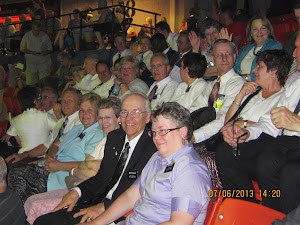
(208, 23)
(37, 24)
(104, 62)
(163, 55)
(27, 97)
(143, 96)
(52, 90)
(229, 11)
(77, 92)
(276, 59)
(63, 56)
(196, 63)
(158, 41)
(186, 33)
(224, 41)
(179, 115)
(120, 35)
(111, 102)
(265, 22)
(3, 172)
(93, 98)
(76, 11)
(8, 20)
(296, 5)
(163, 26)
(77, 69)
(145, 37)
(136, 63)
(93, 57)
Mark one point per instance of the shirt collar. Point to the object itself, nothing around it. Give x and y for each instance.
(134, 141)
(166, 50)
(227, 76)
(51, 111)
(173, 158)
(91, 127)
(163, 82)
(146, 53)
(95, 77)
(73, 116)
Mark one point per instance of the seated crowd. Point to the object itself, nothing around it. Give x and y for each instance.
(151, 131)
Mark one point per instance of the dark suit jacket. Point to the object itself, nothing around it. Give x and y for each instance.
(170, 53)
(175, 57)
(95, 186)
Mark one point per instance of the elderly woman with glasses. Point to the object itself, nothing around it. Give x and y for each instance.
(129, 82)
(174, 184)
(261, 37)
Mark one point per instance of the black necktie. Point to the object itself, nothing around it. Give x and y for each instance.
(178, 61)
(119, 56)
(117, 173)
(61, 131)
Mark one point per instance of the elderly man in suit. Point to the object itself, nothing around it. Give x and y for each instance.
(127, 151)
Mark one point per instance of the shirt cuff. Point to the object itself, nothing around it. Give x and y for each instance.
(77, 189)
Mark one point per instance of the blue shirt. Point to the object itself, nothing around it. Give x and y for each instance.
(184, 188)
(73, 149)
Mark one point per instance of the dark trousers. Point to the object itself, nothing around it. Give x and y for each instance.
(263, 160)
(61, 217)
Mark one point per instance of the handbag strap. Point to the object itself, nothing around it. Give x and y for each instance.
(244, 104)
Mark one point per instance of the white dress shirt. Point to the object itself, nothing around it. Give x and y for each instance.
(172, 41)
(190, 99)
(164, 92)
(137, 85)
(103, 89)
(146, 58)
(124, 53)
(88, 83)
(175, 72)
(230, 85)
(33, 127)
(289, 99)
(132, 145)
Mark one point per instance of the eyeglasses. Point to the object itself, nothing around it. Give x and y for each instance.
(45, 97)
(127, 68)
(226, 55)
(134, 113)
(107, 118)
(157, 66)
(163, 132)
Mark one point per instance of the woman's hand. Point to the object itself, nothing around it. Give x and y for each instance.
(90, 213)
(195, 41)
(248, 88)
(224, 34)
(51, 164)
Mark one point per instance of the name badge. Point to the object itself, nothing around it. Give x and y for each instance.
(132, 175)
(219, 101)
(169, 168)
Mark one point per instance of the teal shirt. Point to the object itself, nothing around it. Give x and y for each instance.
(269, 44)
(73, 149)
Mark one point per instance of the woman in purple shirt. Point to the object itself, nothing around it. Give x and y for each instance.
(173, 187)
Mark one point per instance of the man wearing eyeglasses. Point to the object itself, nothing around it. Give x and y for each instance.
(48, 99)
(116, 173)
(184, 47)
(164, 86)
(221, 92)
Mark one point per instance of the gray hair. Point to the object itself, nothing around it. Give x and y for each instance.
(224, 41)
(142, 95)
(133, 60)
(3, 172)
(179, 115)
(94, 58)
(163, 55)
(111, 102)
(77, 92)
